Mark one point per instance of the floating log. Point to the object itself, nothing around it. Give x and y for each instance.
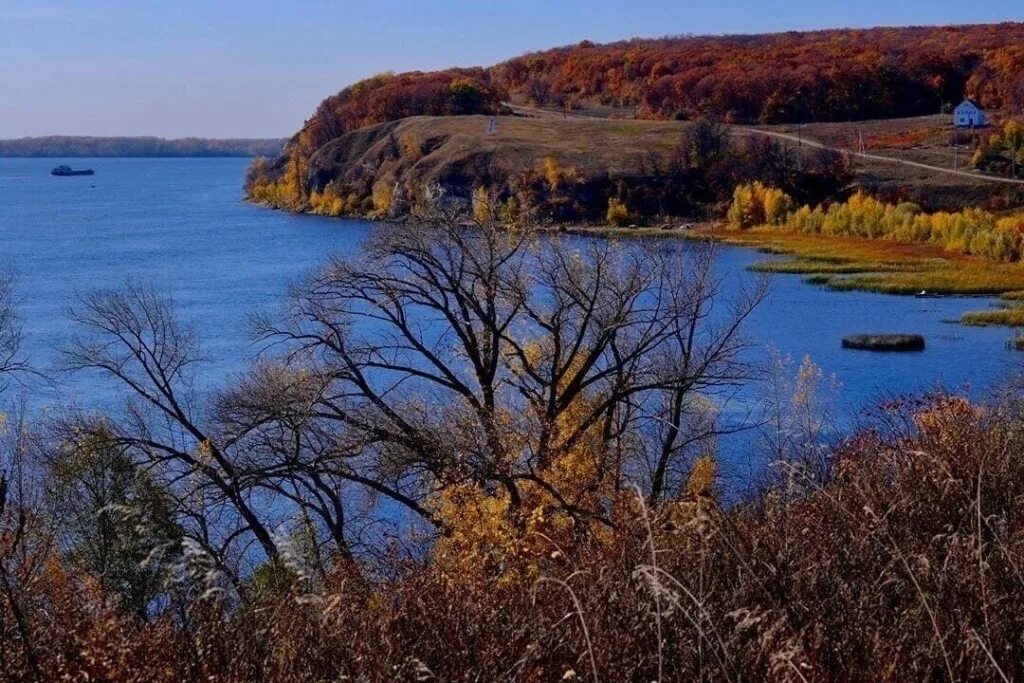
(884, 342)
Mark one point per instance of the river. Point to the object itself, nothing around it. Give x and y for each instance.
(181, 224)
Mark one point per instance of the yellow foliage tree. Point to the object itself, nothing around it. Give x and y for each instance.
(383, 194)
(490, 538)
(552, 173)
(970, 231)
(618, 213)
(755, 204)
(327, 203)
(509, 213)
(1013, 139)
(482, 212)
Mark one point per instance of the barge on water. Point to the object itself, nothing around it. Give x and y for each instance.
(67, 170)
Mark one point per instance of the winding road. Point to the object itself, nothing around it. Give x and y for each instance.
(878, 157)
(533, 111)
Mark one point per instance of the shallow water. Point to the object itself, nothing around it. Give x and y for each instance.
(181, 224)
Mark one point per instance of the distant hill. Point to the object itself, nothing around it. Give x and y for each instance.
(87, 146)
(833, 75)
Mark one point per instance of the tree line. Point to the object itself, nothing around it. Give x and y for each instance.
(968, 231)
(87, 146)
(833, 75)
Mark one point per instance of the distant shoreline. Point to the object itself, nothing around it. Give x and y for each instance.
(72, 146)
(129, 156)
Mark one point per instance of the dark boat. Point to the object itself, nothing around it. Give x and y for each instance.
(67, 170)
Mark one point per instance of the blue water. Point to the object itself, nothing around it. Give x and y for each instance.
(181, 224)
(177, 223)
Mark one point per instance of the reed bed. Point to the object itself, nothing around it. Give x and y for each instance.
(881, 266)
(1011, 316)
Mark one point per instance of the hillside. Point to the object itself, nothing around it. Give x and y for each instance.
(454, 152)
(384, 168)
(562, 170)
(88, 146)
(835, 75)
(823, 76)
(569, 168)
(921, 158)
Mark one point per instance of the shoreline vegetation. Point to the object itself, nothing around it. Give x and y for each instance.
(866, 244)
(847, 263)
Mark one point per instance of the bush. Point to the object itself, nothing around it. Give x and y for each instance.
(383, 195)
(482, 212)
(618, 213)
(755, 204)
(898, 559)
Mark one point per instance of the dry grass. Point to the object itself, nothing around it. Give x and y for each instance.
(436, 145)
(897, 557)
(922, 139)
(1010, 316)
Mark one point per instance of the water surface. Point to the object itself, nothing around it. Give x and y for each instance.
(181, 224)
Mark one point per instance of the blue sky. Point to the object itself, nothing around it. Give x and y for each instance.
(258, 68)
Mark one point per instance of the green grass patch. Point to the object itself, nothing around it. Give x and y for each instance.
(954, 282)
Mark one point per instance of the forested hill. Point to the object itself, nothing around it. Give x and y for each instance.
(834, 75)
(85, 146)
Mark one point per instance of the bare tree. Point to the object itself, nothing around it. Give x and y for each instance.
(447, 353)
(442, 354)
(12, 361)
(134, 337)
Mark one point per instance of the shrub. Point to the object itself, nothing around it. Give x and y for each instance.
(327, 203)
(509, 213)
(618, 213)
(895, 558)
(755, 204)
(383, 195)
(482, 212)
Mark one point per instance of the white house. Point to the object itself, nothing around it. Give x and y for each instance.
(969, 115)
